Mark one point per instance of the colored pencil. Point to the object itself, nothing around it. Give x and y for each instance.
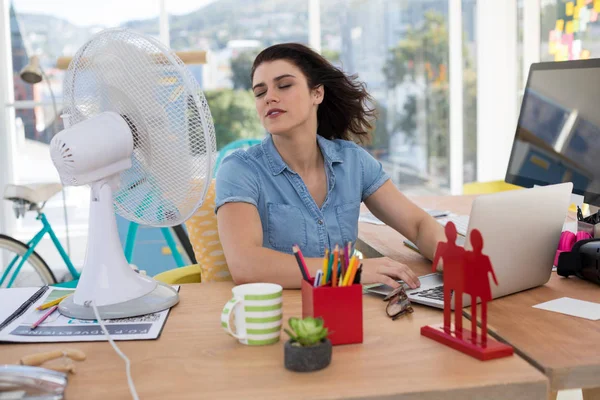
(46, 315)
(325, 266)
(53, 302)
(329, 268)
(349, 271)
(334, 268)
(301, 263)
(353, 273)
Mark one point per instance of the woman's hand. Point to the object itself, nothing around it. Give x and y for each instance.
(387, 271)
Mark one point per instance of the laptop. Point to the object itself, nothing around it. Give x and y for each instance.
(520, 229)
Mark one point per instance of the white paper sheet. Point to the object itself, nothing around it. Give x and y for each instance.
(574, 307)
(58, 328)
(368, 217)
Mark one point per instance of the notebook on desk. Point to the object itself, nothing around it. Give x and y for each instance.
(520, 229)
(58, 328)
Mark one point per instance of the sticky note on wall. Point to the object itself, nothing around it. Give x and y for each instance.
(569, 8)
(597, 5)
(560, 25)
(569, 27)
(562, 53)
(580, 3)
(584, 16)
(576, 49)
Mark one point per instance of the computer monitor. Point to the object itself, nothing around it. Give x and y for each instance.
(558, 133)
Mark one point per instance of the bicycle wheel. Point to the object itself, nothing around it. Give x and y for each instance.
(184, 240)
(34, 272)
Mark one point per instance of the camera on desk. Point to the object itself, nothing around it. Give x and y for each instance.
(580, 253)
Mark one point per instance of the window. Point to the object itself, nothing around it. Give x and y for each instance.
(399, 48)
(50, 30)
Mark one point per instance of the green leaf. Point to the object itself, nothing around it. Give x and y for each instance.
(308, 331)
(291, 335)
(294, 323)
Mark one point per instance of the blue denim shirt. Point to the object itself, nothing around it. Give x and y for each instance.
(289, 214)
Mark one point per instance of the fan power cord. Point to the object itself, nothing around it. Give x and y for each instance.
(117, 350)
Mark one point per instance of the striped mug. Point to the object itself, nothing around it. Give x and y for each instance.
(257, 313)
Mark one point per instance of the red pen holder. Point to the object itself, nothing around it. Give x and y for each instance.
(340, 307)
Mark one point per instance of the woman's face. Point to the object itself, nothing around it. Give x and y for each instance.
(283, 100)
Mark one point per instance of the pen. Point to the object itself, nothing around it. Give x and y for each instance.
(46, 315)
(358, 274)
(318, 277)
(24, 307)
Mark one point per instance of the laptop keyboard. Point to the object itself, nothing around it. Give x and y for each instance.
(461, 222)
(435, 293)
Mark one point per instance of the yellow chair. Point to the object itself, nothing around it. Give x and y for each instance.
(501, 186)
(488, 187)
(204, 237)
(178, 276)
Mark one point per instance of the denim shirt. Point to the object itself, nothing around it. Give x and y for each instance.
(288, 213)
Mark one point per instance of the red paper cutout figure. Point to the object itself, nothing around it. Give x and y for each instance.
(477, 284)
(465, 272)
(453, 257)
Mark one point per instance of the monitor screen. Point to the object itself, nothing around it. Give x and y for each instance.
(558, 132)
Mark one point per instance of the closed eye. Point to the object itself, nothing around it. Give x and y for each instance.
(284, 86)
(259, 94)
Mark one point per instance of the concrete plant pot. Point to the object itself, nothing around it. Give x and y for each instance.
(307, 359)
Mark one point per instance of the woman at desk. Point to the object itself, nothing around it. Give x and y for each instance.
(305, 182)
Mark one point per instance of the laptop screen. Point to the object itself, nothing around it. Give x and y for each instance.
(558, 132)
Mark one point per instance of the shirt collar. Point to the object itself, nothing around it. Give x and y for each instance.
(277, 165)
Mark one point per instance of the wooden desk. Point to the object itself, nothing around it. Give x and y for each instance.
(562, 346)
(194, 358)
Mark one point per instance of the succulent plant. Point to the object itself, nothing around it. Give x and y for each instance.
(306, 332)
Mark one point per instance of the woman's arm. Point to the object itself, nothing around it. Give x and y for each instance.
(240, 233)
(249, 261)
(396, 210)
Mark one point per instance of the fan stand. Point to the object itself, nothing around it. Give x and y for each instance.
(107, 280)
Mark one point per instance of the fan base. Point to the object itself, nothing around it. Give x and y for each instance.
(161, 298)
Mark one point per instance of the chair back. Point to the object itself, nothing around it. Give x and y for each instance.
(204, 237)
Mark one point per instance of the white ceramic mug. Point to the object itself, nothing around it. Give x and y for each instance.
(257, 312)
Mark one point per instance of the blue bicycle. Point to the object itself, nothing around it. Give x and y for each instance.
(20, 265)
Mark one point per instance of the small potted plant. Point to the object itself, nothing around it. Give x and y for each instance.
(308, 349)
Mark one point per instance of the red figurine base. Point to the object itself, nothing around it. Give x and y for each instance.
(492, 349)
(465, 272)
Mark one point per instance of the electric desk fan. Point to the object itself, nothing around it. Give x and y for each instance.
(138, 130)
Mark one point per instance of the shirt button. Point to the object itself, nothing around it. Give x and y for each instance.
(320, 222)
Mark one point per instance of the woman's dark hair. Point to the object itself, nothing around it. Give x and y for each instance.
(345, 112)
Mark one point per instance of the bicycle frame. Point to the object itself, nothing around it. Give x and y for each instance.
(130, 243)
(46, 229)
